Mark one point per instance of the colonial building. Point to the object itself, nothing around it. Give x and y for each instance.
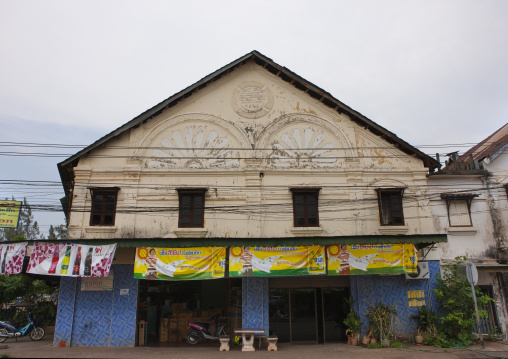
(469, 201)
(252, 157)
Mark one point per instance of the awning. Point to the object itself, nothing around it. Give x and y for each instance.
(420, 241)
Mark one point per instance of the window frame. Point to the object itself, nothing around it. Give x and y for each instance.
(103, 212)
(192, 192)
(312, 191)
(467, 197)
(381, 193)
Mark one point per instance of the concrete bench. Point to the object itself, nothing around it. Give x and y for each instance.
(248, 344)
(224, 343)
(272, 343)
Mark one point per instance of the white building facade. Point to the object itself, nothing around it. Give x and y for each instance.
(251, 155)
(469, 203)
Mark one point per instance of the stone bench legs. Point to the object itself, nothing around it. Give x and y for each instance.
(224, 343)
(272, 343)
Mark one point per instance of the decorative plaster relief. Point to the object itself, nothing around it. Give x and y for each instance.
(393, 230)
(462, 231)
(304, 141)
(101, 229)
(190, 232)
(194, 147)
(194, 141)
(307, 148)
(252, 99)
(306, 231)
(199, 141)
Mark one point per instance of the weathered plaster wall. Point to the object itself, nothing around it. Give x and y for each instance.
(475, 241)
(249, 159)
(483, 241)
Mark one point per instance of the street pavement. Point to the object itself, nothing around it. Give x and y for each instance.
(26, 348)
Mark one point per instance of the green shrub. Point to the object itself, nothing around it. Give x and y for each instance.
(427, 321)
(381, 320)
(456, 298)
(396, 344)
(374, 345)
(44, 313)
(8, 314)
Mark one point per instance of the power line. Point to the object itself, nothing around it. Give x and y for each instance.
(59, 145)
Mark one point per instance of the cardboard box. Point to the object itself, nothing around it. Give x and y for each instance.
(164, 330)
(173, 337)
(185, 315)
(176, 307)
(163, 337)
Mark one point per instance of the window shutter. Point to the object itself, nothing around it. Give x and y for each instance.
(459, 213)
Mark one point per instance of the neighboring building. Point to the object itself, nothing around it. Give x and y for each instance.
(469, 202)
(251, 155)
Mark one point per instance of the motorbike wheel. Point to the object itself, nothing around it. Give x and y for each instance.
(3, 332)
(37, 333)
(193, 337)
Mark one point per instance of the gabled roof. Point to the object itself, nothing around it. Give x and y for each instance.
(280, 71)
(488, 146)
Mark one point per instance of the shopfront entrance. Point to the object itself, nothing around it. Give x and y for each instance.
(165, 307)
(308, 311)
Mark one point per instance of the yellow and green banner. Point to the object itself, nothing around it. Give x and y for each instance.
(9, 214)
(276, 261)
(357, 259)
(180, 263)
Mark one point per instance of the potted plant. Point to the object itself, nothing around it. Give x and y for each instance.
(427, 321)
(367, 338)
(354, 325)
(381, 320)
(418, 336)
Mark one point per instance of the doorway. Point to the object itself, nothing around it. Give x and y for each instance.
(308, 315)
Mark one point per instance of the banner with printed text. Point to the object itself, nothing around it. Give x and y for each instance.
(276, 261)
(357, 259)
(9, 214)
(71, 259)
(11, 257)
(180, 263)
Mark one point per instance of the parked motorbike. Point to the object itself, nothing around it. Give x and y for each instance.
(9, 330)
(200, 331)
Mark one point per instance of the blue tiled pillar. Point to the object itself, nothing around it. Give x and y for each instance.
(98, 318)
(123, 318)
(255, 303)
(435, 272)
(65, 312)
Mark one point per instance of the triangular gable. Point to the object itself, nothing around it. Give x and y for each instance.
(282, 72)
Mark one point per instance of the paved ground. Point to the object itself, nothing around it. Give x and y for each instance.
(25, 348)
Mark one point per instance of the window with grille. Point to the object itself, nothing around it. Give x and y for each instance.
(305, 207)
(390, 206)
(191, 211)
(103, 206)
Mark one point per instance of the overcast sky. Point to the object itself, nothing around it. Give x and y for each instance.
(432, 72)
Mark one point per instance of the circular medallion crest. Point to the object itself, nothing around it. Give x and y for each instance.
(252, 99)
